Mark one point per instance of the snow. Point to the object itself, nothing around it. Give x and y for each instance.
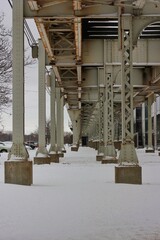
(77, 199)
(16, 158)
(41, 155)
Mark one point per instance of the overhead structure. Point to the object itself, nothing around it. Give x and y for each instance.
(73, 33)
(93, 46)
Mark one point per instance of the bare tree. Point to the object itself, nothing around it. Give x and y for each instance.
(5, 65)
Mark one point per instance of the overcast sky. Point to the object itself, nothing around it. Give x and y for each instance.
(31, 85)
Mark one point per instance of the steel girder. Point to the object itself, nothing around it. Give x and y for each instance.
(60, 24)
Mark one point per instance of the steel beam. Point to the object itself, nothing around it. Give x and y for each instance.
(109, 149)
(127, 154)
(101, 95)
(143, 53)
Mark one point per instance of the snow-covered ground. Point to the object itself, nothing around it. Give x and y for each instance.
(77, 199)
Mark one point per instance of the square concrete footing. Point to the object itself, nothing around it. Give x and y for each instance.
(99, 157)
(128, 174)
(117, 144)
(109, 160)
(42, 160)
(149, 151)
(74, 148)
(61, 154)
(54, 158)
(18, 172)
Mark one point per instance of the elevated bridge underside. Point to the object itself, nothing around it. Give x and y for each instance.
(104, 61)
(82, 36)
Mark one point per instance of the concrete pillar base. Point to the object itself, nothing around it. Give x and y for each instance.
(54, 157)
(42, 160)
(95, 145)
(74, 148)
(18, 172)
(107, 160)
(149, 150)
(89, 144)
(61, 154)
(99, 157)
(128, 174)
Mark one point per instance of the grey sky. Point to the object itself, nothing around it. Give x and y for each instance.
(31, 85)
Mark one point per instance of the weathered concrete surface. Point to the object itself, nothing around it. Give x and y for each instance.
(19, 172)
(54, 157)
(61, 154)
(150, 151)
(117, 144)
(42, 160)
(128, 174)
(74, 148)
(99, 157)
(106, 160)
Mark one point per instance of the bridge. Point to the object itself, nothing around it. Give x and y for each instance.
(103, 60)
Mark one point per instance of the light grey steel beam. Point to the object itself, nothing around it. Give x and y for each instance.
(67, 8)
(144, 53)
(141, 22)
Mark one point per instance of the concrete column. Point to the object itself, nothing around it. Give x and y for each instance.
(59, 121)
(76, 123)
(53, 117)
(150, 146)
(18, 171)
(155, 124)
(42, 153)
(143, 124)
(18, 149)
(62, 127)
(54, 157)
